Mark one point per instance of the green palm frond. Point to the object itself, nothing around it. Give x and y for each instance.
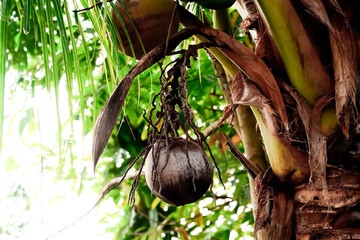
(3, 32)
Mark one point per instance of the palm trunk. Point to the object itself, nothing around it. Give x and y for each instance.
(335, 216)
(327, 205)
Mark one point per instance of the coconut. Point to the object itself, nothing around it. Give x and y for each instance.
(180, 175)
(151, 18)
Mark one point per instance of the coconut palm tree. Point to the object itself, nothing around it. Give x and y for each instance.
(306, 41)
(303, 43)
(292, 93)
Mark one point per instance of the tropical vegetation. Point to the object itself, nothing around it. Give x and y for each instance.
(276, 80)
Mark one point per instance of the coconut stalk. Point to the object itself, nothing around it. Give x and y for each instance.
(302, 63)
(289, 164)
(244, 120)
(299, 56)
(245, 125)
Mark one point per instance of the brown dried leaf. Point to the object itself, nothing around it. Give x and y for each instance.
(236, 139)
(253, 68)
(275, 207)
(108, 117)
(344, 49)
(245, 92)
(218, 137)
(317, 9)
(343, 44)
(316, 140)
(183, 233)
(264, 193)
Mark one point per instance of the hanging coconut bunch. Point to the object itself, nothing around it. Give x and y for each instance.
(177, 167)
(177, 170)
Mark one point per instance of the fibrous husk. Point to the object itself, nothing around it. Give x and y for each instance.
(345, 50)
(314, 217)
(339, 218)
(265, 47)
(275, 207)
(289, 164)
(343, 188)
(264, 193)
(317, 148)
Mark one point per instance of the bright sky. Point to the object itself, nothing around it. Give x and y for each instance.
(43, 206)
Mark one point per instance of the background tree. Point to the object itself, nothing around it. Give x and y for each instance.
(302, 86)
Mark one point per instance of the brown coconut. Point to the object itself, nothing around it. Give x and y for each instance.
(151, 18)
(176, 177)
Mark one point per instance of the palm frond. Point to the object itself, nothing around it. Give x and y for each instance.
(3, 29)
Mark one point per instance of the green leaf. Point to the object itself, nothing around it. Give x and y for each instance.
(155, 203)
(3, 39)
(25, 120)
(11, 164)
(26, 17)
